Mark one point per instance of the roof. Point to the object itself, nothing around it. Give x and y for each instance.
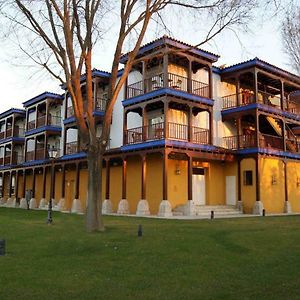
(41, 97)
(12, 111)
(166, 40)
(256, 62)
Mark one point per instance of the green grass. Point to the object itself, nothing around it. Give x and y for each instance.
(246, 258)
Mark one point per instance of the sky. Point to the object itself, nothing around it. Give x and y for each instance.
(19, 83)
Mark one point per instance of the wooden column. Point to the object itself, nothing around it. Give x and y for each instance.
(257, 128)
(238, 87)
(144, 123)
(65, 140)
(165, 175)
(125, 135)
(239, 131)
(165, 70)
(47, 114)
(13, 125)
(3, 184)
(77, 180)
(35, 144)
(17, 185)
(286, 194)
(5, 132)
(210, 80)
(257, 172)
(239, 181)
(282, 95)
(126, 89)
(190, 123)
(33, 183)
(255, 85)
(63, 179)
(166, 123)
(10, 184)
(46, 146)
(284, 135)
(143, 178)
(44, 182)
(211, 126)
(190, 178)
(107, 179)
(24, 184)
(189, 79)
(26, 120)
(124, 175)
(144, 67)
(36, 116)
(11, 152)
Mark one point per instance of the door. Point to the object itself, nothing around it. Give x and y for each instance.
(199, 192)
(230, 190)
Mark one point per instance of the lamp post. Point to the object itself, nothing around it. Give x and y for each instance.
(52, 152)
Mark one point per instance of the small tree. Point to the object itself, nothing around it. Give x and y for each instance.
(62, 35)
(291, 36)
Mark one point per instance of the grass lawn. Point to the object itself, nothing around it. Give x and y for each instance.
(246, 258)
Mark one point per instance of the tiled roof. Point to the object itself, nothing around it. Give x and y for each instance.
(12, 111)
(259, 63)
(42, 97)
(174, 42)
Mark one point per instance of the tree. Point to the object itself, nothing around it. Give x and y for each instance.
(61, 36)
(291, 36)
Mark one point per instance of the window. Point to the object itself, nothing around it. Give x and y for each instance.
(248, 178)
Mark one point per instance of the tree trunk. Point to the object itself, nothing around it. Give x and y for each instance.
(94, 220)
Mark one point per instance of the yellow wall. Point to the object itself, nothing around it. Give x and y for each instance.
(29, 179)
(83, 187)
(293, 172)
(57, 191)
(38, 187)
(115, 189)
(69, 188)
(133, 186)
(272, 194)
(248, 191)
(231, 169)
(154, 182)
(177, 184)
(20, 187)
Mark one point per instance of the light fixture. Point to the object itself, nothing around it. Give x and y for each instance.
(177, 169)
(52, 151)
(274, 179)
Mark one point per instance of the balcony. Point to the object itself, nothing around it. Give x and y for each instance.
(42, 121)
(265, 141)
(17, 158)
(173, 131)
(72, 148)
(175, 81)
(248, 97)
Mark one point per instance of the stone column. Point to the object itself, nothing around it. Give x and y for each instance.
(107, 204)
(123, 207)
(258, 205)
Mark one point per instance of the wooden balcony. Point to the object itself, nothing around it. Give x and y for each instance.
(248, 97)
(72, 148)
(265, 141)
(173, 131)
(42, 121)
(30, 155)
(16, 159)
(174, 81)
(2, 135)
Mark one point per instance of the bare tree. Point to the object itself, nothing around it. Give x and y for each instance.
(62, 35)
(291, 36)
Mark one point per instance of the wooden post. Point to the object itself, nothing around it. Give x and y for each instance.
(282, 95)
(124, 175)
(77, 181)
(189, 79)
(143, 178)
(145, 83)
(284, 135)
(255, 85)
(17, 185)
(165, 70)
(211, 126)
(24, 183)
(11, 153)
(35, 145)
(165, 175)
(47, 114)
(239, 129)
(190, 178)
(46, 146)
(286, 194)
(10, 184)
(65, 140)
(257, 128)
(125, 133)
(166, 123)
(36, 116)
(190, 125)
(257, 171)
(33, 183)
(107, 179)
(63, 179)
(239, 181)
(238, 88)
(3, 184)
(44, 182)
(210, 80)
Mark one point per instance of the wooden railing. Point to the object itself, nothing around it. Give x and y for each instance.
(41, 121)
(2, 134)
(175, 81)
(31, 125)
(19, 131)
(1, 160)
(72, 148)
(40, 153)
(7, 159)
(30, 155)
(231, 101)
(9, 132)
(16, 159)
(70, 112)
(249, 141)
(54, 120)
(100, 104)
(174, 131)
(268, 99)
